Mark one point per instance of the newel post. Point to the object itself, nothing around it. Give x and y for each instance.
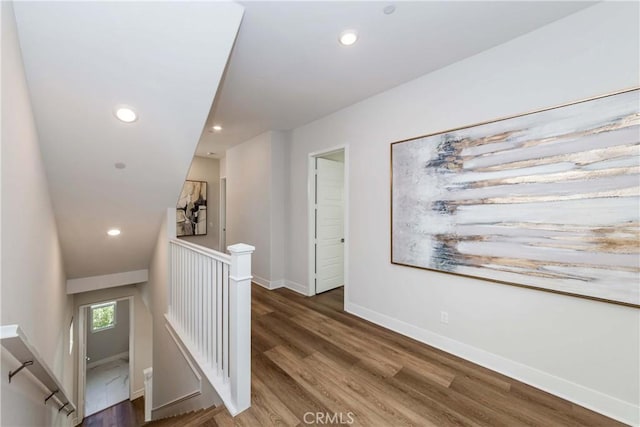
(240, 324)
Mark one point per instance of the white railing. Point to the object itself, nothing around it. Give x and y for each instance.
(210, 310)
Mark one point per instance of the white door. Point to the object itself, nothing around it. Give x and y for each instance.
(329, 224)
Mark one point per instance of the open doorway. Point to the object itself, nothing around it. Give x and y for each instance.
(106, 354)
(328, 220)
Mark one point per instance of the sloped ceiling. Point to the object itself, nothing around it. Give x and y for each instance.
(287, 68)
(82, 59)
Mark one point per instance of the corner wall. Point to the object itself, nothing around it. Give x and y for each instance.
(256, 172)
(582, 350)
(33, 279)
(280, 142)
(248, 168)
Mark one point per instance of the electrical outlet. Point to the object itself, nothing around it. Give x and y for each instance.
(444, 317)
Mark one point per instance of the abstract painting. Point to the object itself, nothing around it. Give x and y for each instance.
(548, 200)
(191, 210)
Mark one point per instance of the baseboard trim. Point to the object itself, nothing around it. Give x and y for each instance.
(176, 401)
(123, 355)
(268, 284)
(282, 283)
(137, 394)
(260, 281)
(592, 399)
(297, 287)
(275, 284)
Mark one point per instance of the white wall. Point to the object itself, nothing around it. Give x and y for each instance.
(249, 200)
(256, 195)
(280, 143)
(142, 327)
(583, 350)
(33, 278)
(110, 342)
(204, 169)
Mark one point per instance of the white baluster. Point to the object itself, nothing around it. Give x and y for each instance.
(225, 323)
(183, 283)
(174, 285)
(208, 308)
(219, 319)
(196, 311)
(172, 269)
(192, 298)
(201, 267)
(185, 291)
(180, 282)
(205, 308)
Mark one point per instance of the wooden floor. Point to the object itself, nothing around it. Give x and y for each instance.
(125, 414)
(308, 355)
(312, 363)
(131, 414)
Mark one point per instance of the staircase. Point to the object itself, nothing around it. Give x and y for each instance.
(207, 312)
(214, 416)
(131, 414)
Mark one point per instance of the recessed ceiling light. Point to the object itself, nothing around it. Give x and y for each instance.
(210, 153)
(348, 37)
(126, 114)
(388, 10)
(113, 232)
(120, 165)
(216, 128)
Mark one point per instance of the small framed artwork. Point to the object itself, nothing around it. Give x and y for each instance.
(191, 210)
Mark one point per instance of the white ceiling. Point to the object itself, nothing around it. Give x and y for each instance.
(166, 59)
(287, 68)
(82, 59)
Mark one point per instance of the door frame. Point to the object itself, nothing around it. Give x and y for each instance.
(311, 218)
(82, 350)
(222, 236)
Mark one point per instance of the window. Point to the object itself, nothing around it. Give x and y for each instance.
(103, 316)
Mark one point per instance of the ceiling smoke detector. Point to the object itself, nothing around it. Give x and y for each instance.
(388, 10)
